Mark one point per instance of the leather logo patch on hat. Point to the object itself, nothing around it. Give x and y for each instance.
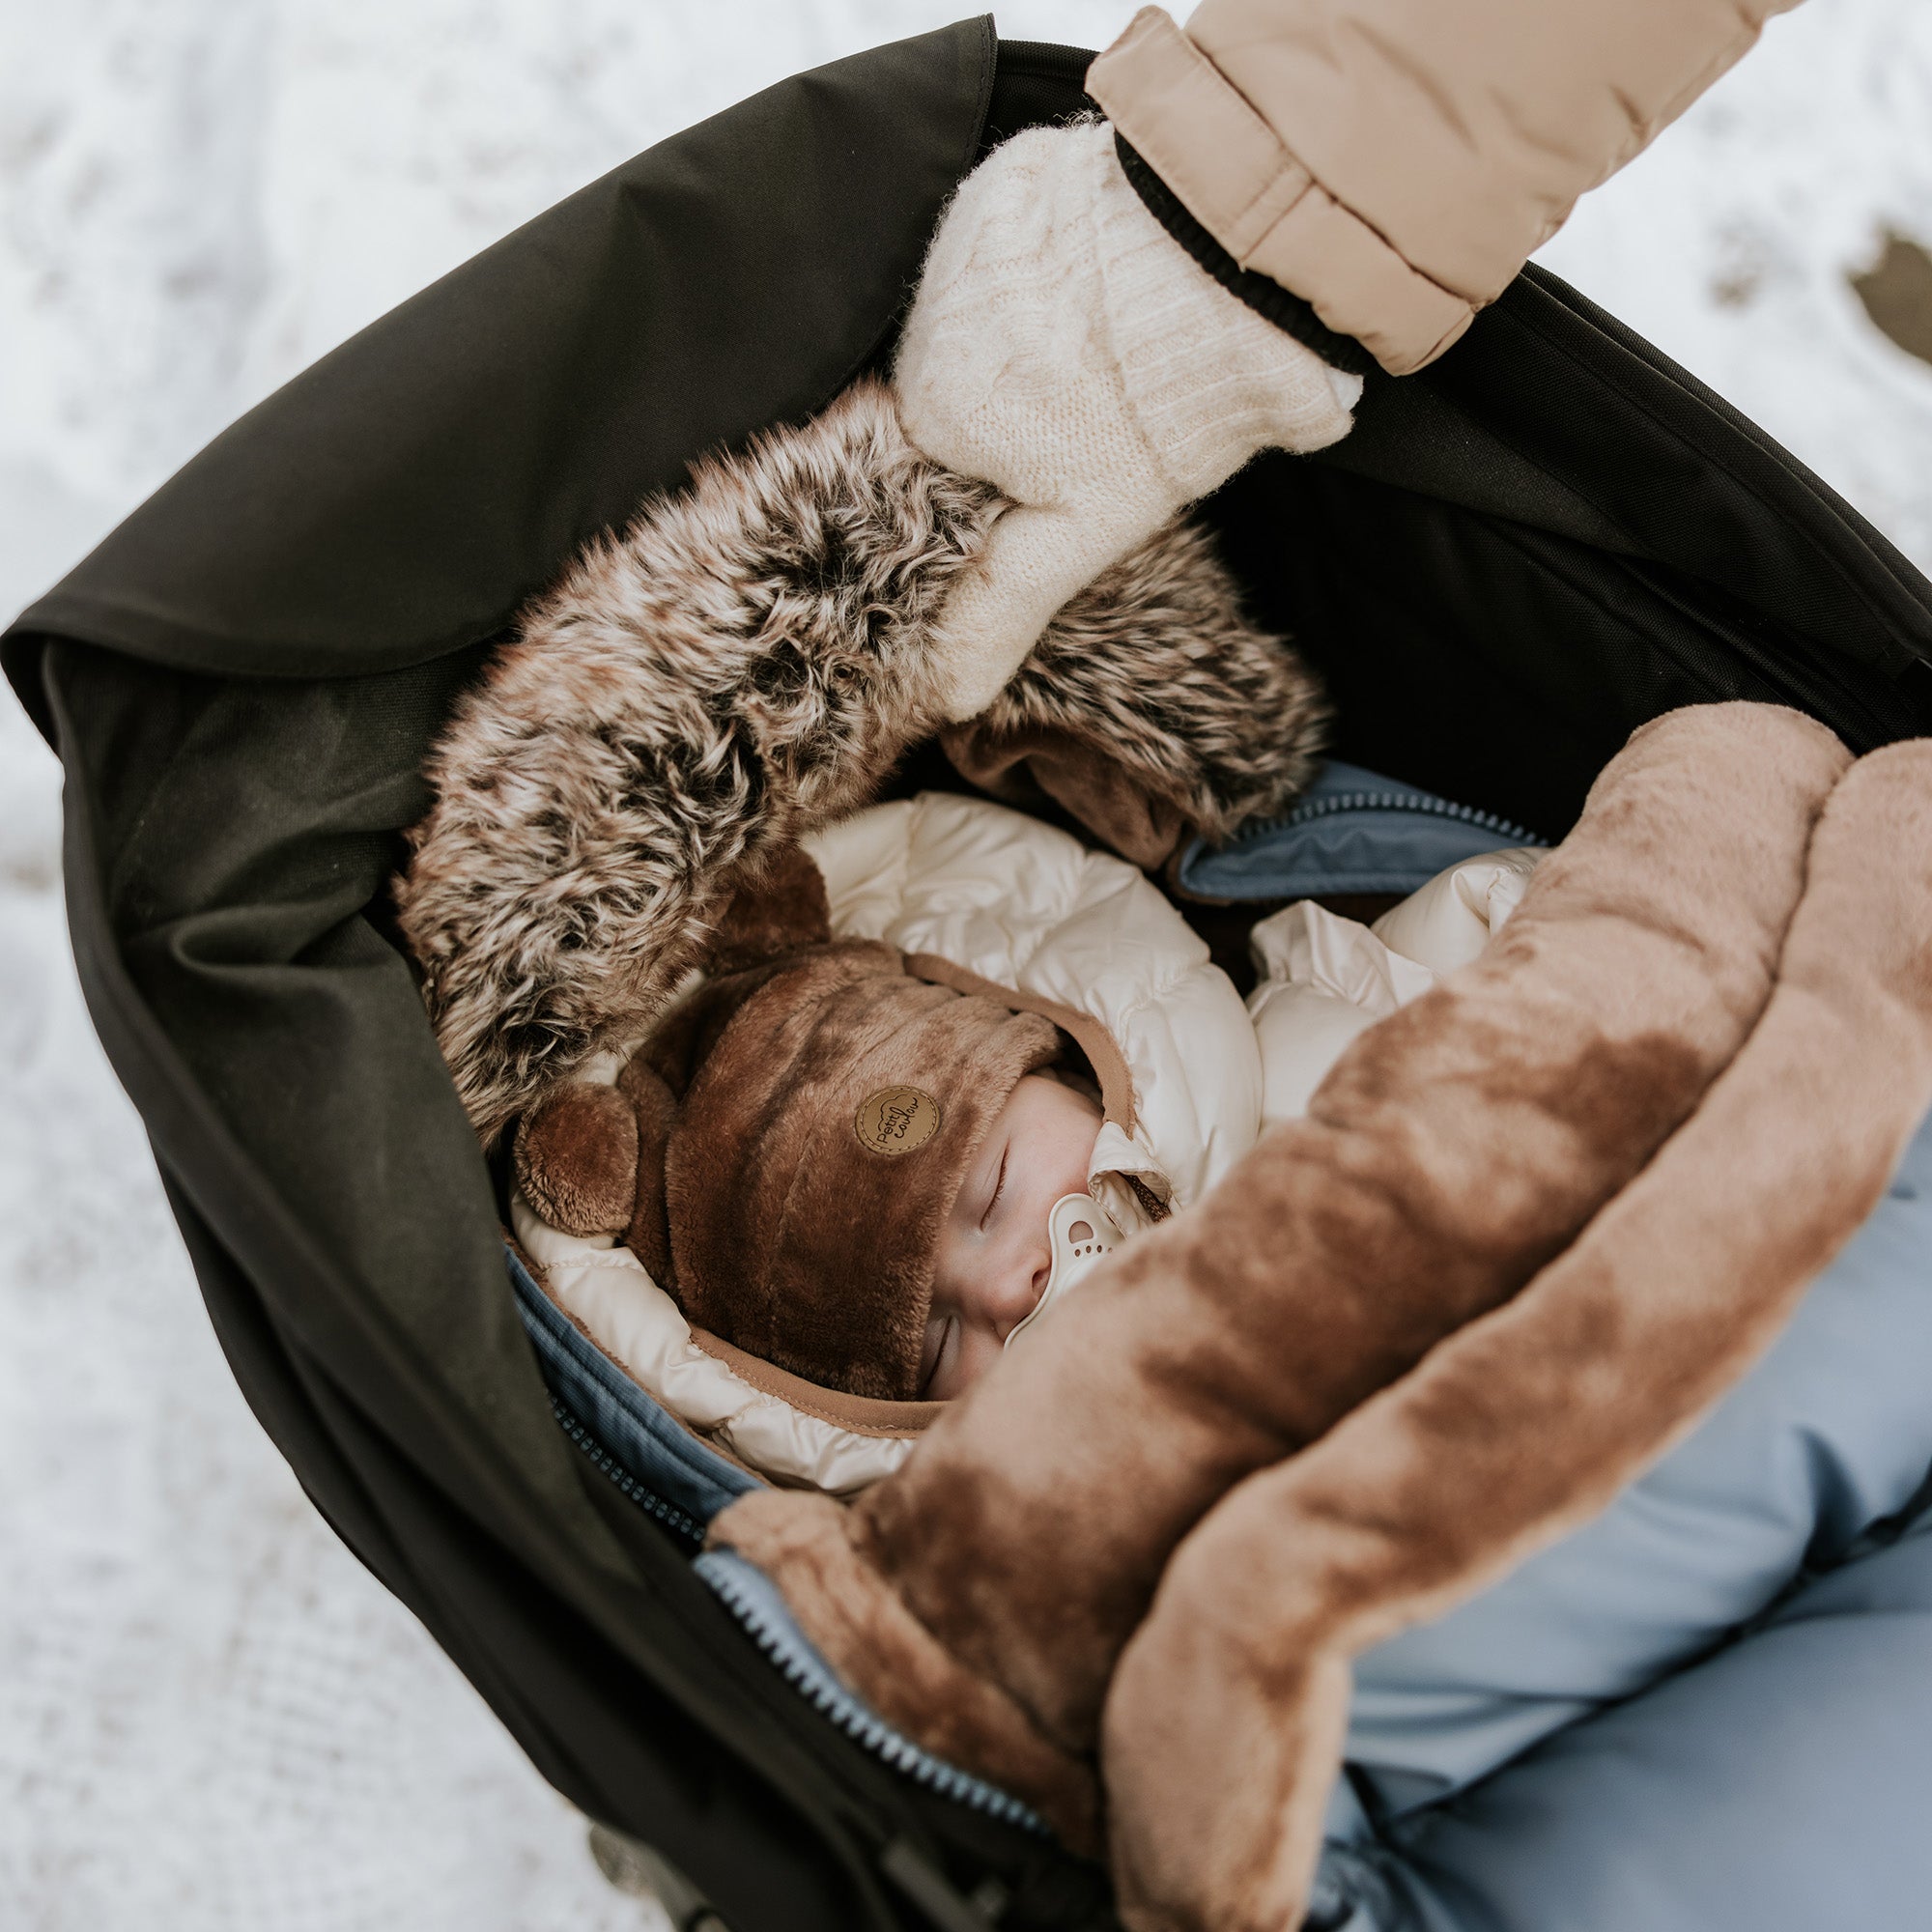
(897, 1119)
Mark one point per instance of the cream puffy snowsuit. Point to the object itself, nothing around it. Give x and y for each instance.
(1188, 1074)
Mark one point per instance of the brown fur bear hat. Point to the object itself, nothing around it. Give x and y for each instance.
(782, 1151)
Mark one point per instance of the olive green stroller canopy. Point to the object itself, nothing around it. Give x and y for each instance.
(1552, 531)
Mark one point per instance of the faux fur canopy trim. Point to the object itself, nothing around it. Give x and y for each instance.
(1202, 724)
(741, 663)
(747, 662)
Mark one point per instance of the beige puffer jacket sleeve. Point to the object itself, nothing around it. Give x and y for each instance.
(1394, 162)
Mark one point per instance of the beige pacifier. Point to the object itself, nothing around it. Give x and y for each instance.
(1082, 1236)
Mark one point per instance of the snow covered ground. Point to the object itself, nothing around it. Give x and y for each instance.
(211, 1719)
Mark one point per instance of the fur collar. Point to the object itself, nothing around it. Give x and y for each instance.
(747, 662)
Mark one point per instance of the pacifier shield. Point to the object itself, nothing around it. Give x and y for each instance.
(1082, 1235)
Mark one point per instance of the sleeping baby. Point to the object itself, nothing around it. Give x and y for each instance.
(943, 1064)
(876, 1160)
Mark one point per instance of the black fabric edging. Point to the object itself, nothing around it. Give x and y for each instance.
(1262, 293)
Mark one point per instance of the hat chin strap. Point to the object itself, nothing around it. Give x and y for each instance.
(1083, 1235)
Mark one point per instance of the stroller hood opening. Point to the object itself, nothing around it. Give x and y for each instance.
(1551, 533)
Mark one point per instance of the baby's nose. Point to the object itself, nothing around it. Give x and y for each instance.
(1019, 1292)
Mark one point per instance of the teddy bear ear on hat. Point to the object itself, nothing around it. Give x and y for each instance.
(654, 1113)
(590, 1158)
(778, 907)
(576, 1158)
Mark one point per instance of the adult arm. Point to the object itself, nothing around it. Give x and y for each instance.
(1394, 162)
(1113, 319)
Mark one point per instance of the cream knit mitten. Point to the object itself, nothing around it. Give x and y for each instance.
(1065, 347)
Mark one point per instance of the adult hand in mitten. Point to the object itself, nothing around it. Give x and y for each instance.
(1065, 348)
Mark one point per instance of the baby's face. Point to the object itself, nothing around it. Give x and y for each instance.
(994, 1255)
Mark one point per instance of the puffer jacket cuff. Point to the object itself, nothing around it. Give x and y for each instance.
(1260, 205)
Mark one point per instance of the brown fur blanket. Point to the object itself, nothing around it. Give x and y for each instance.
(1532, 1227)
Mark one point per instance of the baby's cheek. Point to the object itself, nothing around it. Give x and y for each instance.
(1072, 1157)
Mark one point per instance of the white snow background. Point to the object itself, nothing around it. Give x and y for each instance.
(211, 1718)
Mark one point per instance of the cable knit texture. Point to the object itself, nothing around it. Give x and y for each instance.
(1065, 348)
